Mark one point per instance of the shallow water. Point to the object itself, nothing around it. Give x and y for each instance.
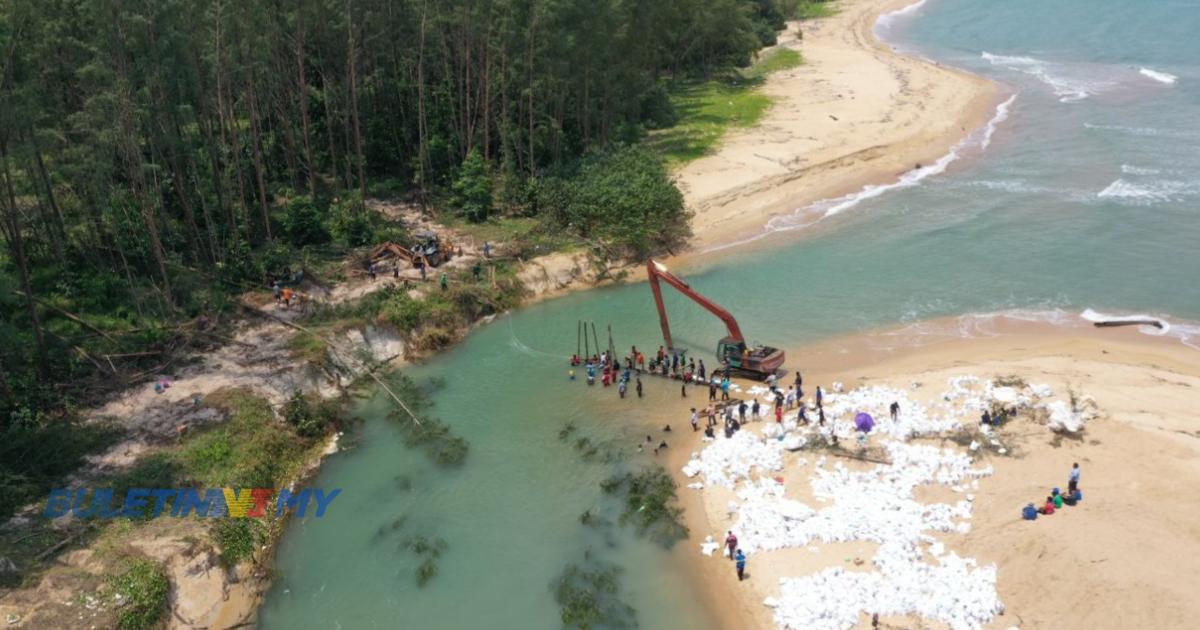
(1086, 197)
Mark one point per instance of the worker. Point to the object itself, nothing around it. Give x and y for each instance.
(621, 389)
(755, 409)
(895, 411)
(779, 414)
(477, 270)
(396, 269)
(695, 420)
(703, 374)
(639, 387)
(1048, 508)
(731, 542)
(1073, 479)
(725, 388)
(487, 249)
(742, 411)
(445, 281)
(371, 271)
(740, 561)
(1029, 513)
(287, 297)
(683, 389)
(277, 289)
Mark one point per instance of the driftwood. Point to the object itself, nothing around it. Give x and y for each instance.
(1129, 322)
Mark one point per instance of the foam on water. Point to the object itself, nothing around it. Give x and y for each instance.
(1129, 169)
(1161, 77)
(1151, 132)
(1148, 193)
(1067, 85)
(887, 20)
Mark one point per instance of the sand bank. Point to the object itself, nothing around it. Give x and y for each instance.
(1123, 558)
(855, 113)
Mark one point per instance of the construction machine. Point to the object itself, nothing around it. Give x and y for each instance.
(757, 362)
(428, 249)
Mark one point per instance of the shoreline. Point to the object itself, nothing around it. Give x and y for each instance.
(1140, 383)
(800, 153)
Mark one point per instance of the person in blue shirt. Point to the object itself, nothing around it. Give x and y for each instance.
(740, 560)
(1029, 513)
(1073, 479)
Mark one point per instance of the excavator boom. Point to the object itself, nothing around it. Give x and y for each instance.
(732, 351)
(657, 271)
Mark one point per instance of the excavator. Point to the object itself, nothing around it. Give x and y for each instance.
(758, 362)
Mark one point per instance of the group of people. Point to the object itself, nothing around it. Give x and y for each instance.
(1056, 500)
(736, 554)
(285, 295)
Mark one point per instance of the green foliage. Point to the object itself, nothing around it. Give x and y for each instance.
(588, 597)
(350, 223)
(35, 454)
(237, 538)
(648, 499)
(810, 9)
(310, 415)
(143, 585)
(250, 450)
(303, 221)
(624, 199)
(473, 188)
(426, 433)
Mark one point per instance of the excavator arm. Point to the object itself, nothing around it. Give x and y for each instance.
(656, 271)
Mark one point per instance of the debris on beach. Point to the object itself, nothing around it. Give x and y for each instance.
(911, 572)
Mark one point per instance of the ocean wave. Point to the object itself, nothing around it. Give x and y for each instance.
(886, 20)
(1068, 88)
(1006, 185)
(1148, 193)
(1129, 169)
(1161, 77)
(1149, 132)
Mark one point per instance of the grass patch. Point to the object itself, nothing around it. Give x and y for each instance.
(143, 585)
(779, 59)
(809, 9)
(706, 110)
(251, 450)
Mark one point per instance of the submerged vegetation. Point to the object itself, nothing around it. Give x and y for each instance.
(649, 503)
(588, 596)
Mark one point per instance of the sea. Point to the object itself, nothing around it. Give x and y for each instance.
(1080, 200)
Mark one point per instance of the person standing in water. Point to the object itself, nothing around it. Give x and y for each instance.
(621, 389)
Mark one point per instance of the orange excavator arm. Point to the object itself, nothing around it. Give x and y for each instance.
(656, 271)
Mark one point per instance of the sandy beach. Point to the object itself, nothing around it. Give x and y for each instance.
(855, 113)
(1123, 558)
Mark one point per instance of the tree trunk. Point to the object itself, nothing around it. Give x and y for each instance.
(256, 144)
(352, 63)
(302, 102)
(16, 244)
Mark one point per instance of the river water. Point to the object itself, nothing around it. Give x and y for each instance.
(1086, 194)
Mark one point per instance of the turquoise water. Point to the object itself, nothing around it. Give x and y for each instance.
(1087, 196)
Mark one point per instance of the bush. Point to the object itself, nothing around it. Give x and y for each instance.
(304, 221)
(237, 539)
(473, 188)
(350, 223)
(624, 197)
(649, 502)
(143, 585)
(657, 111)
(310, 415)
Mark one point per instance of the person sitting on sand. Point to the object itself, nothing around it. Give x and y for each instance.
(1047, 509)
(1029, 513)
(1058, 499)
(667, 429)
(708, 433)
